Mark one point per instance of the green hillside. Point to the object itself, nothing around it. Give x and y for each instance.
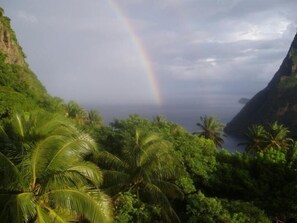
(19, 87)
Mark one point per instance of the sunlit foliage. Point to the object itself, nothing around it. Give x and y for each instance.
(44, 175)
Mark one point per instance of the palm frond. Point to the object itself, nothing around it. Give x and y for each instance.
(95, 210)
(114, 177)
(153, 194)
(156, 150)
(64, 180)
(54, 215)
(165, 168)
(109, 160)
(18, 124)
(42, 215)
(170, 189)
(67, 152)
(112, 190)
(147, 161)
(168, 215)
(10, 176)
(82, 173)
(38, 160)
(148, 139)
(26, 206)
(9, 211)
(56, 125)
(90, 171)
(3, 134)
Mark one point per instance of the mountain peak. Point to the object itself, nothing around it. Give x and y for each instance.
(8, 42)
(20, 88)
(276, 102)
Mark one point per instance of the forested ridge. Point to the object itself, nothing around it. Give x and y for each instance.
(61, 163)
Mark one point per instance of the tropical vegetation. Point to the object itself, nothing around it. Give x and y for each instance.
(61, 163)
(45, 177)
(212, 129)
(144, 167)
(271, 136)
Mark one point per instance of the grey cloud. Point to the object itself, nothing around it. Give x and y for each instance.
(84, 49)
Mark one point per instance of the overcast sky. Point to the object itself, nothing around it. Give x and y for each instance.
(86, 50)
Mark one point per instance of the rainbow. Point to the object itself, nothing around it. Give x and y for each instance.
(144, 57)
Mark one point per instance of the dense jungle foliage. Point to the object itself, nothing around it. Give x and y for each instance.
(60, 168)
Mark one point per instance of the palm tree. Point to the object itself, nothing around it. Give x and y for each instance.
(159, 119)
(211, 129)
(94, 118)
(274, 136)
(49, 181)
(277, 136)
(145, 168)
(255, 139)
(75, 112)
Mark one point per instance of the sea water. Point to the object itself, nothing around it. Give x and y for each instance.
(186, 113)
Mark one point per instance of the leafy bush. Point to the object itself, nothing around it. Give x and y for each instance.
(213, 210)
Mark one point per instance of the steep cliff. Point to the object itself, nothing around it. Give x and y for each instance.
(276, 102)
(8, 42)
(19, 87)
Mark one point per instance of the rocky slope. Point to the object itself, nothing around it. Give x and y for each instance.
(8, 42)
(276, 102)
(19, 87)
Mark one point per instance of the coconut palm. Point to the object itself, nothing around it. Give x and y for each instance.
(50, 181)
(145, 168)
(212, 129)
(274, 136)
(94, 118)
(255, 139)
(277, 136)
(75, 112)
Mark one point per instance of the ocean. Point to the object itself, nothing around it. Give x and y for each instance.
(186, 113)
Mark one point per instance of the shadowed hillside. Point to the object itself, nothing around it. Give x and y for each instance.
(278, 101)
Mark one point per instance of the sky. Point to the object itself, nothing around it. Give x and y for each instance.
(153, 51)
